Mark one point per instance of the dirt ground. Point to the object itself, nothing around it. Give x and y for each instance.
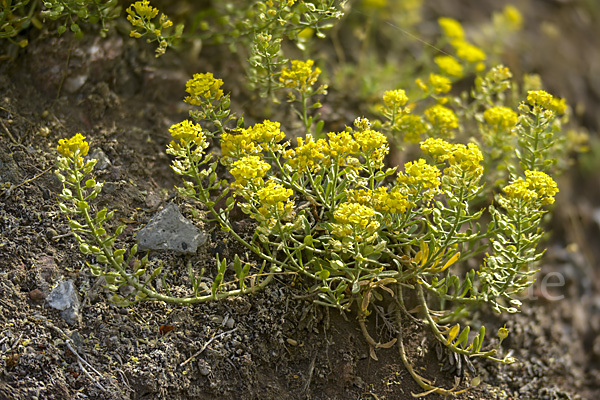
(272, 344)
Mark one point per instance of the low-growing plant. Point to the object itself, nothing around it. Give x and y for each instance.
(16, 16)
(330, 211)
(328, 208)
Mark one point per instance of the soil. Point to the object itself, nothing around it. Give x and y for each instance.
(273, 344)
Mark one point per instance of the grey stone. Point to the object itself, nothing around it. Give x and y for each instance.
(169, 230)
(103, 160)
(65, 298)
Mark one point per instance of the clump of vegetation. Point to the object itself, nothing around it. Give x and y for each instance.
(329, 209)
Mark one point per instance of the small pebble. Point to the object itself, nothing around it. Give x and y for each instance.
(37, 295)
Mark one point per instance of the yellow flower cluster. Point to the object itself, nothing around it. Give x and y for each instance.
(395, 99)
(413, 127)
(513, 17)
(503, 118)
(538, 185)
(300, 76)
(438, 149)
(143, 9)
(468, 52)
(395, 201)
(449, 66)
(358, 216)
(274, 196)
(454, 31)
(442, 118)
(341, 145)
(372, 143)
(139, 14)
(237, 144)
(464, 158)
(519, 189)
(544, 185)
(546, 100)
(498, 74)
(203, 86)
(265, 132)
(251, 141)
(308, 154)
(420, 174)
(74, 147)
(451, 28)
(249, 169)
(439, 84)
(467, 158)
(187, 132)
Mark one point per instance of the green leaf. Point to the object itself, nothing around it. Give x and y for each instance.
(237, 267)
(323, 274)
(464, 337)
(216, 284)
(355, 287)
(481, 335)
(119, 230)
(84, 248)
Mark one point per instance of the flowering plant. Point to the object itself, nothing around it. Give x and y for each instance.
(331, 212)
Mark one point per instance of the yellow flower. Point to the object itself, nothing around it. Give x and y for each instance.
(249, 169)
(451, 28)
(308, 154)
(413, 127)
(498, 74)
(519, 190)
(395, 99)
(449, 66)
(358, 216)
(546, 100)
(438, 149)
(543, 185)
(513, 17)
(373, 143)
(300, 76)
(467, 158)
(238, 144)
(251, 141)
(442, 119)
(539, 97)
(468, 52)
(274, 197)
(74, 147)
(143, 9)
(420, 174)
(186, 132)
(440, 84)
(395, 201)
(203, 86)
(537, 185)
(503, 118)
(360, 196)
(341, 145)
(266, 132)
